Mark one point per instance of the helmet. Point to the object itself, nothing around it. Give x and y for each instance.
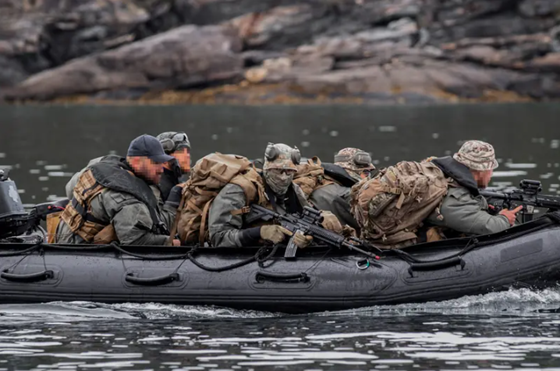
(172, 141)
(281, 156)
(353, 159)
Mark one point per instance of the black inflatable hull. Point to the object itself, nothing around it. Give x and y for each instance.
(319, 279)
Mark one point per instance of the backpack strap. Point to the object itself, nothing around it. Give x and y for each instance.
(202, 232)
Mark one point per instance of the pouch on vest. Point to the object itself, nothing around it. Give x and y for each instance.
(311, 176)
(390, 208)
(105, 236)
(52, 223)
(210, 174)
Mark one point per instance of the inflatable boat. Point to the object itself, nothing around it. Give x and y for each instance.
(318, 279)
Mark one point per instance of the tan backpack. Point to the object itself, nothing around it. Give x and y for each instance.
(208, 177)
(392, 206)
(311, 176)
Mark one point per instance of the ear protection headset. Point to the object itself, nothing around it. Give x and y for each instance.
(170, 145)
(360, 158)
(272, 152)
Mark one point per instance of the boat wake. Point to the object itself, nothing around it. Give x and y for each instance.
(520, 301)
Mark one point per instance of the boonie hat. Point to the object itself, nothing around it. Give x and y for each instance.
(148, 146)
(477, 155)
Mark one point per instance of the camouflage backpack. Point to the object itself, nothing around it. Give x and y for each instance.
(391, 207)
(208, 177)
(311, 176)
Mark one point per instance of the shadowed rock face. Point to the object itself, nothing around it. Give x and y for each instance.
(417, 50)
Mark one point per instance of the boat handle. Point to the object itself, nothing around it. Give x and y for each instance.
(30, 277)
(262, 277)
(152, 281)
(427, 266)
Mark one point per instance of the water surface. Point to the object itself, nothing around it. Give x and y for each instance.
(44, 146)
(510, 330)
(518, 329)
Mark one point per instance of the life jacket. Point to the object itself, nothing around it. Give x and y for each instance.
(112, 172)
(311, 176)
(391, 207)
(210, 174)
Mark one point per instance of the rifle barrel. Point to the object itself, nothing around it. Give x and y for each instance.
(493, 194)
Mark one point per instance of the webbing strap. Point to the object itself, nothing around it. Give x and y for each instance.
(243, 210)
(87, 216)
(201, 235)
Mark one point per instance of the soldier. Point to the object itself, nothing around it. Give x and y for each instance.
(228, 228)
(463, 209)
(113, 201)
(353, 164)
(356, 162)
(175, 144)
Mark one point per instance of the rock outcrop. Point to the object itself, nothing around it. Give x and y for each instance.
(281, 50)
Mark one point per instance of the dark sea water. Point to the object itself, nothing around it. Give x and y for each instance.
(44, 146)
(517, 329)
(511, 330)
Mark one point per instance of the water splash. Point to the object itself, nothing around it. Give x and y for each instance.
(513, 301)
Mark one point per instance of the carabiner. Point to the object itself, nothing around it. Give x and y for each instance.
(363, 264)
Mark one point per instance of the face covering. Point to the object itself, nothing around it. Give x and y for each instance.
(279, 182)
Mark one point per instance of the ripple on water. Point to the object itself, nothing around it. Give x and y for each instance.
(506, 329)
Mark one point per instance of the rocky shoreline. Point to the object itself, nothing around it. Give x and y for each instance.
(279, 51)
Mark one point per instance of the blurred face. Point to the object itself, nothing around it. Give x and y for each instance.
(365, 173)
(148, 169)
(183, 157)
(279, 180)
(482, 178)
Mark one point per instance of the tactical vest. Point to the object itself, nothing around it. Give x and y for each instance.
(111, 173)
(210, 174)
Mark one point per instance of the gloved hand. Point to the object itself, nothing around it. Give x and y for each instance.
(330, 222)
(274, 233)
(301, 240)
(348, 231)
(174, 198)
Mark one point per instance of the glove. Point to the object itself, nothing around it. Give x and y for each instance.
(348, 231)
(330, 222)
(301, 240)
(274, 233)
(174, 198)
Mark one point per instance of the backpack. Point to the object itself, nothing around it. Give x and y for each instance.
(208, 177)
(311, 176)
(392, 206)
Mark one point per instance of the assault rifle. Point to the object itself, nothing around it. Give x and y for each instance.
(308, 223)
(527, 196)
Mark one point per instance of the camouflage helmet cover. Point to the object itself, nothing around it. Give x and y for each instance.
(281, 156)
(353, 159)
(477, 155)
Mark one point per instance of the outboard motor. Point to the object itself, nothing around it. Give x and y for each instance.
(14, 220)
